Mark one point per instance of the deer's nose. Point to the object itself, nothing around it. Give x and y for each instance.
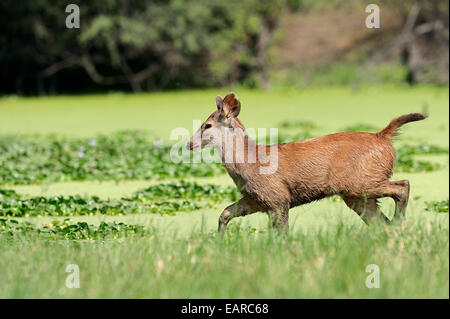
(189, 145)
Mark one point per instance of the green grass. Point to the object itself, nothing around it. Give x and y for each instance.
(182, 256)
(325, 263)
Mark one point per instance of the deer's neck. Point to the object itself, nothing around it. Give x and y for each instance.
(239, 157)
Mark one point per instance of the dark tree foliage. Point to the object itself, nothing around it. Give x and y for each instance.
(134, 44)
(144, 45)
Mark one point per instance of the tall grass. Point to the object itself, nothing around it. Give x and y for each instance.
(330, 263)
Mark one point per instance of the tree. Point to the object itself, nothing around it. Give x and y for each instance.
(142, 45)
(423, 42)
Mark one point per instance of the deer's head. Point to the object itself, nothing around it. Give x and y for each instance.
(219, 124)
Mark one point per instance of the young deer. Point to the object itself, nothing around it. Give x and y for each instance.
(356, 166)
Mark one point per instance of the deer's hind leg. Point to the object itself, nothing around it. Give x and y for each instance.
(366, 208)
(399, 192)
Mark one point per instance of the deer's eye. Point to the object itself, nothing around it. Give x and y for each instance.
(207, 126)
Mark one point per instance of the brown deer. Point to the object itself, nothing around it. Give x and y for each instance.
(354, 165)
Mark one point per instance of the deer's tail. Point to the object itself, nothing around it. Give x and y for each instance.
(391, 130)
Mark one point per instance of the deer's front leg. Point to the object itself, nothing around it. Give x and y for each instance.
(242, 207)
(280, 219)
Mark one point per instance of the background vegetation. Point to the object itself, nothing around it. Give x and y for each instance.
(152, 45)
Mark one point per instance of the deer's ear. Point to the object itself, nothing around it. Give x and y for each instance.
(231, 105)
(219, 102)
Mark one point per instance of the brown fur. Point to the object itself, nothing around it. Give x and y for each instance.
(356, 166)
